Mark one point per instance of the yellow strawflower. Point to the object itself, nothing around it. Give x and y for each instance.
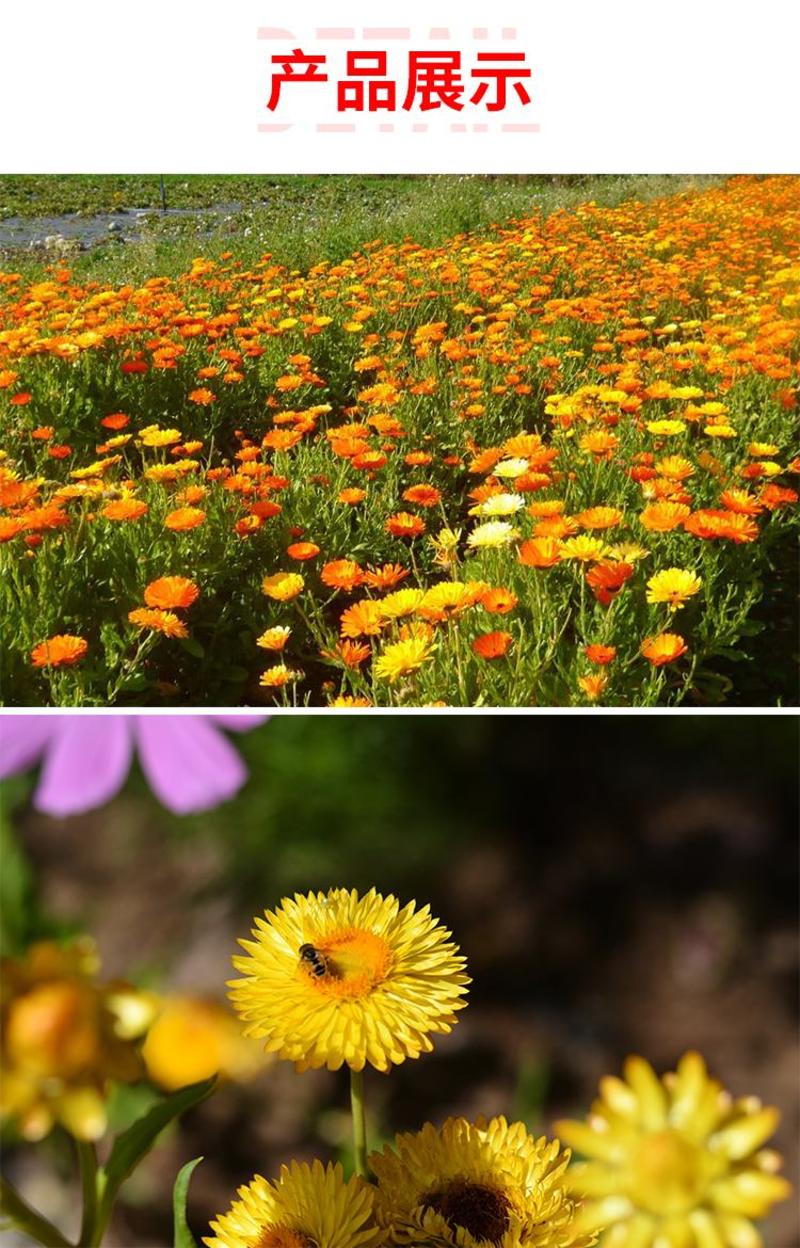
(674, 1162)
(335, 979)
(471, 1184)
(307, 1207)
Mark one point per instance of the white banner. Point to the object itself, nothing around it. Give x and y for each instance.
(622, 86)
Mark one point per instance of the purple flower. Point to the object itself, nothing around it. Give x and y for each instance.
(189, 764)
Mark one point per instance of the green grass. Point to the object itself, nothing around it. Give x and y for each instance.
(299, 220)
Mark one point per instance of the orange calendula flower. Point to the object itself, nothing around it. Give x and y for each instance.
(662, 517)
(184, 518)
(422, 495)
(158, 621)
(385, 577)
(600, 654)
(664, 648)
(540, 552)
(125, 509)
(498, 601)
(351, 496)
(712, 523)
(403, 524)
(492, 645)
(593, 685)
(202, 397)
(363, 619)
(607, 579)
(171, 592)
(301, 551)
(342, 574)
(600, 517)
(62, 650)
(274, 638)
(351, 653)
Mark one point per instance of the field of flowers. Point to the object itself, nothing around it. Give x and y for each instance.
(551, 463)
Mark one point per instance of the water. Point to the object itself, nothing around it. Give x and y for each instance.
(125, 224)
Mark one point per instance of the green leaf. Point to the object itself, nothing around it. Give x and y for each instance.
(193, 647)
(16, 881)
(132, 1145)
(183, 1237)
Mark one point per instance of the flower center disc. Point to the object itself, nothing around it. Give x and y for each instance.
(482, 1211)
(668, 1173)
(356, 961)
(283, 1237)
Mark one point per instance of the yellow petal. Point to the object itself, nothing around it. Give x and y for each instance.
(750, 1193)
(585, 1140)
(706, 1229)
(739, 1233)
(745, 1135)
(649, 1091)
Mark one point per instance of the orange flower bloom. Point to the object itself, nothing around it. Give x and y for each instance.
(42, 519)
(599, 654)
(664, 648)
(422, 495)
(10, 526)
(184, 518)
(593, 685)
(171, 592)
(363, 619)
(350, 653)
(352, 496)
(403, 524)
(709, 523)
(498, 601)
(662, 517)
(342, 574)
(302, 551)
(117, 420)
(492, 645)
(385, 577)
(159, 621)
(202, 396)
(540, 552)
(124, 509)
(607, 579)
(600, 517)
(63, 650)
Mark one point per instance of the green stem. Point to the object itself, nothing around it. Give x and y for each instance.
(87, 1157)
(26, 1219)
(359, 1121)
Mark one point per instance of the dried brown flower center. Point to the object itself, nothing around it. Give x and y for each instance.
(480, 1210)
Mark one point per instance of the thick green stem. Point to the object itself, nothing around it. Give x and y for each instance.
(26, 1219)
(359, 1121)
(87, 1156)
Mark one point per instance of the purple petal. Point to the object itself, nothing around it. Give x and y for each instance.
(189, 764)
(239, 723)
(87, 762)
(23, 738)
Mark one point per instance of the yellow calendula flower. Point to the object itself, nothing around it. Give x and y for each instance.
(402, 658)
(65, 1036)
(584, 548)
(306, 1207)
(471, 1184)
(673, 586)
(335, 979)
(282, 586)
(401, 602)
(674, 1161)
